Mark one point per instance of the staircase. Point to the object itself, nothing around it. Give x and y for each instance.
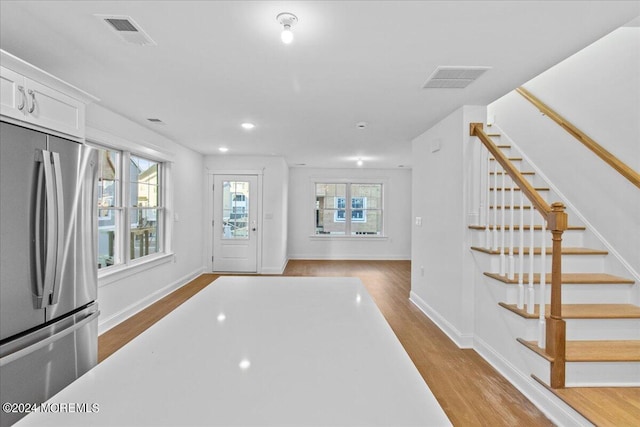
(602, 341)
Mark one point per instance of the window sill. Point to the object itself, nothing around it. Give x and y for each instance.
(338, 237)
(116, 273)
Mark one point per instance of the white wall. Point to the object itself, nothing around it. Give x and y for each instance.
(273, 221)
(441, 263)
(122, 298)
(397, 209)
(598, 90)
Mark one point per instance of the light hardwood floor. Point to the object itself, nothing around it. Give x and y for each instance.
(469, 390)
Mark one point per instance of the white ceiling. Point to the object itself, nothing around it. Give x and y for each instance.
(220, 63)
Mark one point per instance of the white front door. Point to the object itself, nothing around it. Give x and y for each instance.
(235, 223)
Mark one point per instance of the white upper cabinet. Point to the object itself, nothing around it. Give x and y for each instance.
(35, 97)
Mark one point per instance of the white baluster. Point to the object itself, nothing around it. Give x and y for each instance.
(487, 230)
(521, 254)
(503, 263)
(543, 283)
(512, 272)
(495, 205)
(531, 301)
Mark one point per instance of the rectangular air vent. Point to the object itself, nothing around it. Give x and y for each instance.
(454, 77)
(158, 121)
(127, 29)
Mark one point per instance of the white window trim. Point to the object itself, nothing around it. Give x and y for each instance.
(101, 139)
(313, 180)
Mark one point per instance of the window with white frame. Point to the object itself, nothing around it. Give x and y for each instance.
(130, 208)
(348, 209)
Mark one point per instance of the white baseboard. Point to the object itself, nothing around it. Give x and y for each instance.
(555, 409)
(351, 257)
(462, 340)
(276, 270)
(105, 324)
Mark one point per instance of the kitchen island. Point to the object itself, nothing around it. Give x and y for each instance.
(256, 351)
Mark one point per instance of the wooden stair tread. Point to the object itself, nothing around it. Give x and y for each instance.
(509, 207)
(594, 351)
(583, 311)
(517, 189)
(526, 227)
(603, 406)
(512, 159)
(522, 173)
(538, 251)
(567, 278)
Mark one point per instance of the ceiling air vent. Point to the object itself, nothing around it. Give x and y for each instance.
(158, 121)
(457, 77)
(127, 29)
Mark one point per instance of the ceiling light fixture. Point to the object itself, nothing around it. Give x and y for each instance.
(223, 149)
(287, 20)
(359, 162)
(248, 125)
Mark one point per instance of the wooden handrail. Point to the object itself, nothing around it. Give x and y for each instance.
(556, 218)
(598, 149)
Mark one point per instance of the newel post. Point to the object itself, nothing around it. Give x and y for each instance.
(556, 326)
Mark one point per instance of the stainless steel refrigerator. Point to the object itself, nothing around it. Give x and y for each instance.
(48, 270)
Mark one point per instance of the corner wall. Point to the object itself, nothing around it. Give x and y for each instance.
(441, 264)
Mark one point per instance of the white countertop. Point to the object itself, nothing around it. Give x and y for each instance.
(258, 351)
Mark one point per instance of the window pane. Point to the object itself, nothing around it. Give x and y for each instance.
(144, 187)
(235, 209)
(144, 232)
(330, 221)
(108, 228)
(368, 195)
(366, 222)
(108, 178)
(330, 204)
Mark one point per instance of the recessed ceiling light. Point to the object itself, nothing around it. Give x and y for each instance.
(248, 125)
(359, 162)
(223, 149)
(362, 125)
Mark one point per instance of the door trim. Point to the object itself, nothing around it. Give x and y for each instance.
(209, 179)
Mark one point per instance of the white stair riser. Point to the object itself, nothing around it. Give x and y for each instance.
(584, 374)
(603, 329)
(576, 294)
(570, 238)
(595, 294)
(546, 196)
(570, 263)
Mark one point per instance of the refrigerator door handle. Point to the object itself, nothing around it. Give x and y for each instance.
(38, 233)
(51, 230)
(60, 227)
(45, 342)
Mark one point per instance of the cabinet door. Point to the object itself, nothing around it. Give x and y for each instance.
(51, 109)
(12, 94)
